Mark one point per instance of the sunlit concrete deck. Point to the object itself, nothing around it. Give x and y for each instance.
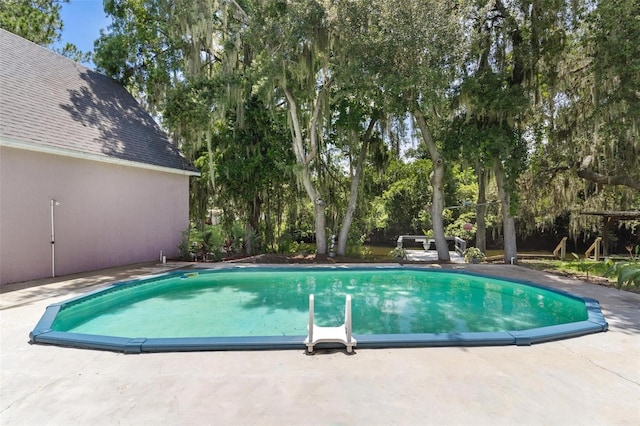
(590, 380)
(432, 256)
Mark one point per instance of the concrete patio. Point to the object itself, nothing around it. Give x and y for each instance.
(590, 380)
(432, 256)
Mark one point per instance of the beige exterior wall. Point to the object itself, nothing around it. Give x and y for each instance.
(109, 214)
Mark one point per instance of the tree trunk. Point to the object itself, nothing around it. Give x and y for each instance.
(254, 213)
(481, 209)
(321, 229)
(351, 208)
(508, 223)
(304, 171)
(437, 179)
(212, 172)
(248, 240)
(353, 194)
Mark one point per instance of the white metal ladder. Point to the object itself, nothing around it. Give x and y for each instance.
(339, 334)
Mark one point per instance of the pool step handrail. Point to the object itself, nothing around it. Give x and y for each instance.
(340, 334)
(595, 249)
(561, 249)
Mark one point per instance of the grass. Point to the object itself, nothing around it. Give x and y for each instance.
(583, 269)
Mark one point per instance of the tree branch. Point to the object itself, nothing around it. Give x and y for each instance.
(586, 173)
(297, 133)
(313, 131)
(242, 16)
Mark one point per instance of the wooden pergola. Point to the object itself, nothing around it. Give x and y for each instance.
(609, 217)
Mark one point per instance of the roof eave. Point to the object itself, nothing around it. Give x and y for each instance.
(65, 152)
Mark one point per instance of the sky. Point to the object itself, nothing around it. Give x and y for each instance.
(82, 20)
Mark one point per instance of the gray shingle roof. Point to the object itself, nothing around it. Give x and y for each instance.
(49, 101)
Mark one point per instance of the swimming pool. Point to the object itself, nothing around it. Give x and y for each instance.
(251, 307)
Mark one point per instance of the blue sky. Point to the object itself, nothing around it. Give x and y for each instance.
(82, 20)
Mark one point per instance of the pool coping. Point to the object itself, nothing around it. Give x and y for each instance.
(43, 334)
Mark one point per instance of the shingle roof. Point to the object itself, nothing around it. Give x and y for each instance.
(51, 102)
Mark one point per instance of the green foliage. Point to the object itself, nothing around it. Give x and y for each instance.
(526, 85)
(356, 245)
(568, 267)
(627, 273)
(584, 265)
(632, 256)
(457, 228)
(143, 48)
(253, 165)
(235, 240)
(297, 247)
(40, 22)
(613, 37)
(70, 51)
(473, 255)
(200, 190)
(213, 238)
(35, 20)
(407, 195)
(398, 253)
(185, 246)
(210, 244)
(588, 159)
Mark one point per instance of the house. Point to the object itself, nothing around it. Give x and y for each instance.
(88, 180)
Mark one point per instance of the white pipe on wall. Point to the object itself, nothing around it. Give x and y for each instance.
(53, 238)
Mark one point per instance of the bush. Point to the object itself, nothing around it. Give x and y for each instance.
(473, 255)
(184, 247)
(628, 273)
(213, 240)
(356, 246)
(398, 253)
(301, 248)
(206, 245)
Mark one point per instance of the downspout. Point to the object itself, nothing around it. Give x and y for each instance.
(53, 239)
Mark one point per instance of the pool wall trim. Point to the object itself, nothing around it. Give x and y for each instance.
(43, 333)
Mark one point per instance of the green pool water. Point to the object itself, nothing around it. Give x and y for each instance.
(271, 302)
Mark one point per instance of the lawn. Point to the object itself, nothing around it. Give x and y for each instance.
(583, 269)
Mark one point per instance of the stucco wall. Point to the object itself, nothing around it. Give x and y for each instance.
(109, 215)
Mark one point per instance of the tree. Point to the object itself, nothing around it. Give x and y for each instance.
(289, 44)
(40, 22)
(495, 81)
(254, 165)
(588, 155)
(612, 47)
(69, 50)
(354, 141)
(143, 48)
(35, 20)
(413, 54)
(505, 95)
(406, 196)
(168, 54)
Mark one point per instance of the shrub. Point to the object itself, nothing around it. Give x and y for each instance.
(398, 253)
(628, 273)
(473, 255)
